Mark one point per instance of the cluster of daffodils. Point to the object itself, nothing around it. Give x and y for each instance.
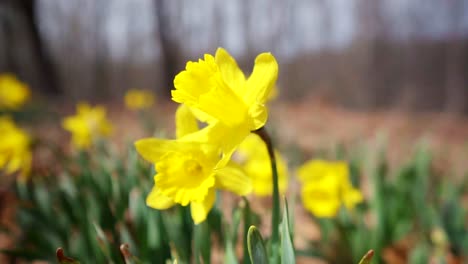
(192, 167)
(326, 187)
(90, 123)
(15, 152)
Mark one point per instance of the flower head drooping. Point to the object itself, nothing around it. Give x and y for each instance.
(217, 92)
(254, 159)
(138, 99)
(188, 171)
(326, 187)
(88, 124)
(15, 153)
(13, 93)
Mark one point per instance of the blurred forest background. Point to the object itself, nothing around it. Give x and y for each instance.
(365, 54)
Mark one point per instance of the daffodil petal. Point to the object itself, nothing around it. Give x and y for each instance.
(221, 136)
(230, 71)
(152, 149)
(200, 210)
(259, 114)
(352, 197)
(314, 170)
(223, 104)
(229, 140)
(234, 179)
(158, 201)
(208, 138)
(262, 79)
(185, 121)
(322, 202)
(201, 86)
(202, 116)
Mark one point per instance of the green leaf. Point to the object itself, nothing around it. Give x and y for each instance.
(230, 236)
(179, 231)
(202, 240)
(256, 247)
(367, 257)
(236, 219)
(287, 248)
(229, 253)
(103, 242)
(247, 217)
(62, 259)
(420, 254)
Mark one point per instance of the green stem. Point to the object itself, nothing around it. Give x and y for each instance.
(275, 216)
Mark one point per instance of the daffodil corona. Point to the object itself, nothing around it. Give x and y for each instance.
(188, 171)
(13, 93)
(218, 93)
(326, 187)
(87, 125)
(15, 153)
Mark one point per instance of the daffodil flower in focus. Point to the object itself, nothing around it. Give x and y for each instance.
(253, 158)
(13, 93)
(138, 99)
(217, 92)
(89, 123)
(326, 188)
(15, 153)
(188, 171)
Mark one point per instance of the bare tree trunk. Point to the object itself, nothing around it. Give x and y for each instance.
(46, 73)
(455, 59)
(169, 47)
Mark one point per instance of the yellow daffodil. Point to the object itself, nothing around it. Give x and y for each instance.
(326, 187)
(13, 93)
(188, 171)
(274, 93)
(137, 99)
(15, 153)
(88, 124)
(253, 157)
(217, 92)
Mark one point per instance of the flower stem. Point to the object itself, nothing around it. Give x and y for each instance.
(275, 215)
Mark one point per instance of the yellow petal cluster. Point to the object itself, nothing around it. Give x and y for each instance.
(217, 92)
(187, 170)
(15, 153)
(13, 93)
(253, 157)
(89, 124)
(138, 99)
(326, 187)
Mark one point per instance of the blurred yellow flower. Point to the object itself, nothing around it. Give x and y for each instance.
(326, 187)
(88, 124)
(137, 99)
(253, 158)
(274, 93)
(188, 171)
(13, 93)
(15, 153)
(218, 93)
